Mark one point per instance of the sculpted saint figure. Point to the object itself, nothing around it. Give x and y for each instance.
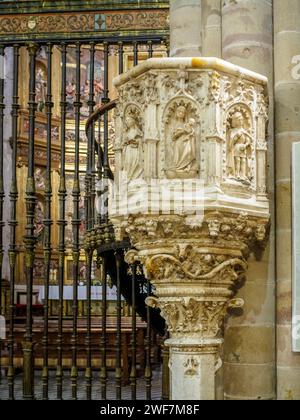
(183, 144)
(132, 143)
(239, 148)
(39, 178)
(41, 87)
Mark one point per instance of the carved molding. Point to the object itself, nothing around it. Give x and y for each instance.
(105, 21)
(241, 231)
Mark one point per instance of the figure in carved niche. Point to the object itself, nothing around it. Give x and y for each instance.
(132, 145)
(239, 148)
(41, 88)
(183, 138)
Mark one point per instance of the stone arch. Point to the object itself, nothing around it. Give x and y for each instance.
(240, 107)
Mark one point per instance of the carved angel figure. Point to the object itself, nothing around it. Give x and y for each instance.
(183, 144)
(239, 149)
(132, 144)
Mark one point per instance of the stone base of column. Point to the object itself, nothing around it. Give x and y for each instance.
(193, 365)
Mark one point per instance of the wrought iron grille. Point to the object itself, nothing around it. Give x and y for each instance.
(55, 103)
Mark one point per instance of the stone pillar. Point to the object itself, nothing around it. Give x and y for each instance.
(8, 86)
(205, 147)
(211, 28)
(287, 129)
(247, 40)
(185, 28)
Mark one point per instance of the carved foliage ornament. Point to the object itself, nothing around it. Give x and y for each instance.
(131, 92)
(141, 91)
(151, 86)
(196, 266)
(214, 86)
(156, 19)
(191, 365)
(190, 315)
(195, 87)
(88, 22)
(183, 82)
(262, 104)
(240, 229)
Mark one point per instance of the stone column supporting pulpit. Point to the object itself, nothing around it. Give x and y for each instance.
(191, 196)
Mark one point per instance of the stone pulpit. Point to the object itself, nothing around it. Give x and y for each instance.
(190, 194)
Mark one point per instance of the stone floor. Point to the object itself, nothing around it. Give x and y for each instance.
(96, 394)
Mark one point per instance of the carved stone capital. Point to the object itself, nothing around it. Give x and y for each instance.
(195, 268)
(191, 316)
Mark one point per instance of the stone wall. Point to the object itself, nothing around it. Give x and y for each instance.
(264, 36)
(287, 130)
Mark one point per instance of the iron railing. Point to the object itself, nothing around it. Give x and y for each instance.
(63, 350)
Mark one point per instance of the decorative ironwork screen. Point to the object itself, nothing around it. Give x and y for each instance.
(75, 314)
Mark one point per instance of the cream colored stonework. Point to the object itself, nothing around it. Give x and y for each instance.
(189, 123)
